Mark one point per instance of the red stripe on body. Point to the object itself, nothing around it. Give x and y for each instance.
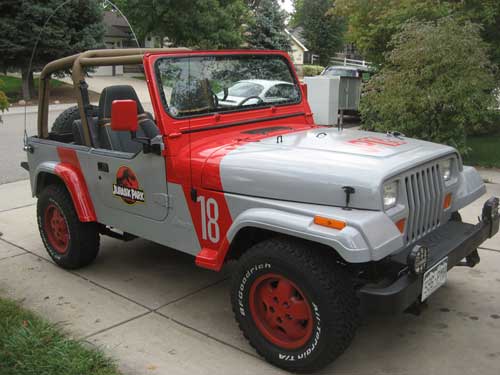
(206, 157)
(70, 171)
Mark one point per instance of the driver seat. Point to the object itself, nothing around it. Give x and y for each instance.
(121, 140)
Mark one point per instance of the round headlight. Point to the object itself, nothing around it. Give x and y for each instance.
(390, 195)
(417, 259)
(445, 167)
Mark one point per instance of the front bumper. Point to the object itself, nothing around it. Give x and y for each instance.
(455, 239)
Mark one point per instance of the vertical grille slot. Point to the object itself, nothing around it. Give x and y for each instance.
(424, 191)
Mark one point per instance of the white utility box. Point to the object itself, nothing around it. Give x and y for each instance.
(323, 98)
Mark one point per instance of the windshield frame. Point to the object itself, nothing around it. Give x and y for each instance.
(277, 54)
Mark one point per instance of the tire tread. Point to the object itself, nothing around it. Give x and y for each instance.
(329, 276)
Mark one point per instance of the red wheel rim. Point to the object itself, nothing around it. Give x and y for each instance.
(281, 311)
(56, 229)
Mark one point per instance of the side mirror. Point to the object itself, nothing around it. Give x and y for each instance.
(124, 115)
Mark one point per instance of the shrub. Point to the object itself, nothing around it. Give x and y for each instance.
(438, 84)
(312, 70)
(4, 103)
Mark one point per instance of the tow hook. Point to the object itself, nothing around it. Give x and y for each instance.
(471, 260)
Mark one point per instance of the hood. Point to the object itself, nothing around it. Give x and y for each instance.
(312, 166)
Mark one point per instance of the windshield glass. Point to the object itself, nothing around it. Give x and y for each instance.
(243, 89)
(200, 85)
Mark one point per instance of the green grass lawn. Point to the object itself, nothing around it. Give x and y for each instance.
(31, 346)
(485, 151)
(12, 86)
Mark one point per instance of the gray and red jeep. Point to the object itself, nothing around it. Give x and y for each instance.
(229, 165)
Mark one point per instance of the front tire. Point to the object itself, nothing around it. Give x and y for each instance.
(69, 242)
(296, 306)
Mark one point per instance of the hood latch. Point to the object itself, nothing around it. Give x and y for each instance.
(348, 190)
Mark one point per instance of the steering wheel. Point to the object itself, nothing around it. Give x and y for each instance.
(259, 100)
(215, 97)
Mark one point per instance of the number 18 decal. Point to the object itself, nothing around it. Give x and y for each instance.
(209, 216)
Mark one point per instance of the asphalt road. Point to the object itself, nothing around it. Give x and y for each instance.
(11, 141)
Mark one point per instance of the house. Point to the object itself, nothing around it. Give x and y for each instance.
(119, 35)
(300, 54)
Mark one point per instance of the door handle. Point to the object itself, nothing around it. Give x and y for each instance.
(102, 167)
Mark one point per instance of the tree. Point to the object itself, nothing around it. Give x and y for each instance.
(195, 23)
(73, 28)
(372, 23)
(323, 28)
(437, 83)
(266, 29)
(487, 14)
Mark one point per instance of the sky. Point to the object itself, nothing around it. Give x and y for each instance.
(287, 5)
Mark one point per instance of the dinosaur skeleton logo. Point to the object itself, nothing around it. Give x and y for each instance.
(127, 186)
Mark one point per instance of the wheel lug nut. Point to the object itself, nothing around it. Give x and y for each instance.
(271, 309)
(279, 320)
(289, 317)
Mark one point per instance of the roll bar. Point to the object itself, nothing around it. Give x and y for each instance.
(102, 57)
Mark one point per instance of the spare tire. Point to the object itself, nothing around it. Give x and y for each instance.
(64, 122)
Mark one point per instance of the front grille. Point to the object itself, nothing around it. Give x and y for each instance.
(425, 190)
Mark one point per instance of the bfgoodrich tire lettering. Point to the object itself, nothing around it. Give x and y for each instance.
(83, 238)
(325, 286)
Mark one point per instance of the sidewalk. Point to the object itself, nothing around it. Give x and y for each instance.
(155, 312)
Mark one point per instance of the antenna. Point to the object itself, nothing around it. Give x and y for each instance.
(115, 7)
(35, 46)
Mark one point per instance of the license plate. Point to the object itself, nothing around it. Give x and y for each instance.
(435, 278)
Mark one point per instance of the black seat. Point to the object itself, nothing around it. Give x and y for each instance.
(120, 140)
(77, 130)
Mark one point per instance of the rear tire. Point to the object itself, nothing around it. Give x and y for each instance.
(63, 124)
(296, 306)
(69, 242)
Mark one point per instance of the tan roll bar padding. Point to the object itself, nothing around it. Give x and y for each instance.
(103, 57)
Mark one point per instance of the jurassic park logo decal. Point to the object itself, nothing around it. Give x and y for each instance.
(127, 186)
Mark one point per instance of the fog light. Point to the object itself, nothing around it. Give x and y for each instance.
(417, 259)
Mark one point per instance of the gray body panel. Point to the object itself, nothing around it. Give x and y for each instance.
(369, 235)
(278, 185)
(164, 216)
(313, 166)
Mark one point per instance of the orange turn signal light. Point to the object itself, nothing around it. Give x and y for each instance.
(447, 201)
(401, 225)
(330, 223)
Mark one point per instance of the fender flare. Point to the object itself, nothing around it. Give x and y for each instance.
(348, 243)
(470, 188)
(75, 183)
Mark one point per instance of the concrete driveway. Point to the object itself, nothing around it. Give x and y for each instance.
(156, 313)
